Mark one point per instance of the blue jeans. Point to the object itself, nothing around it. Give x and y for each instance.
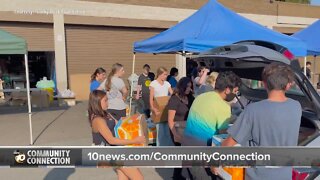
(163, 135)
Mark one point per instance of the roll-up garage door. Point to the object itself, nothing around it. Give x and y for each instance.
(39, 36)
(89, 47)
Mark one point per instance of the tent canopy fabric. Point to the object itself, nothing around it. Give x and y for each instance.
(311, 36)
(11, 44)
(212, 26)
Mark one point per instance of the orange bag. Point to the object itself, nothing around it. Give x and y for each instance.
(132, 127)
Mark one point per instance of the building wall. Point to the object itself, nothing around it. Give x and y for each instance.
(89, 47)
(101, 32)
(39, 36)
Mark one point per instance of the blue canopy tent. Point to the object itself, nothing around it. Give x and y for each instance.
(311, 36)
(211, 26)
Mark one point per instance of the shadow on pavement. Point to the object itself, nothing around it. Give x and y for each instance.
(59, 173)
(24, 109)
(47, 126)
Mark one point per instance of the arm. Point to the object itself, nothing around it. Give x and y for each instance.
(139, 89)
(229, 142)
(104, 130)
(203, 77)
(121, 87)
(151, 101)
(176, 135)
(124, 92)
(170, 91)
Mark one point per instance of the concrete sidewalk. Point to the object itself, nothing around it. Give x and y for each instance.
(56, 127)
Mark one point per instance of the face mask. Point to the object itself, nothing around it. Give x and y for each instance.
(230, 97)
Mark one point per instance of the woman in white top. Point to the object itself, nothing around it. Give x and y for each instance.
(117, 92)
(161, 87)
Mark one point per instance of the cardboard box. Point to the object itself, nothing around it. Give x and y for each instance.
(230, 173)
(132, 127)
(40, 99)
(18, 98)
(161, 104)
(227, 173)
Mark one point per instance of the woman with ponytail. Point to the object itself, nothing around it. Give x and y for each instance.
(116, 91)
(97, 78)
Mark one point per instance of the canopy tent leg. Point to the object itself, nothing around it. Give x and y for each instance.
(131, 88)
(305, 66)
(314, 71)
(28, 96)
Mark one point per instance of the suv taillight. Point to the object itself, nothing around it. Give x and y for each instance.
(288, 54)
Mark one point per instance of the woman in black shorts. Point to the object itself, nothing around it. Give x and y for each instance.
(102, 125)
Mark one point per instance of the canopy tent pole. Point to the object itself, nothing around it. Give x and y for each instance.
(28, 95)
(131, 89)
(314, 70)
(305, 66)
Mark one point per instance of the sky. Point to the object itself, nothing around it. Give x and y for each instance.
(315, 2)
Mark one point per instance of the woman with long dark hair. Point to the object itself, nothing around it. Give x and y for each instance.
(172, 77)
(116, 91)
(102, 124)
(178, 109)
(97, 78)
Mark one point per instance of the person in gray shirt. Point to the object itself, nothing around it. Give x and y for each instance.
(116, 92)
(210, 83)
(271, 122)
(143, 92)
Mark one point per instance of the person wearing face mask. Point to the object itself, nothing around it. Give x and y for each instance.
(210, 111)
(209, 115)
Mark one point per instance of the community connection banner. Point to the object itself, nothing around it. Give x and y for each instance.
(95, 156)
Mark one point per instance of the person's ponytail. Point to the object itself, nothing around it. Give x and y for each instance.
(115, 68)
(99, 70)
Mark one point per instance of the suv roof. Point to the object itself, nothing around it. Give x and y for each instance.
(245, 52)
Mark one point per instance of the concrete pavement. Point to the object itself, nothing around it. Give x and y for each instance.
(56, 127)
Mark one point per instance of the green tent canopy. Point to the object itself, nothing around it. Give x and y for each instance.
(11, 44)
